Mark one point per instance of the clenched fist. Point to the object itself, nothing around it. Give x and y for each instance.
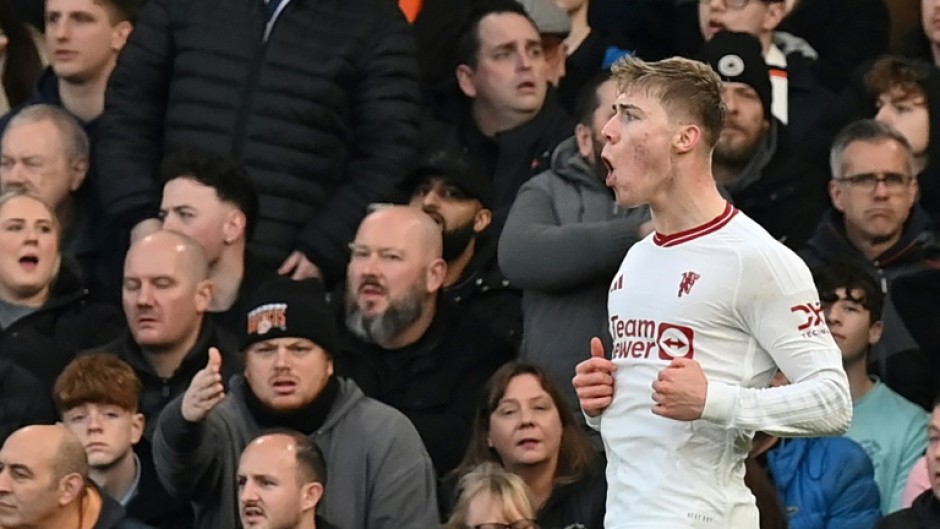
(594, 380)
(205, 392)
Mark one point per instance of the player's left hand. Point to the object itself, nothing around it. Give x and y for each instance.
(679, 391)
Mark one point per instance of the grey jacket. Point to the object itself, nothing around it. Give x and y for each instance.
(562, 243)
(379, 474)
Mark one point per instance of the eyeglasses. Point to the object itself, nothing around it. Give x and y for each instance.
(739, 4)
(869, 181)
(518, 524)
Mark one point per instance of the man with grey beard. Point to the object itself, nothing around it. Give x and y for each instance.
(405, 344)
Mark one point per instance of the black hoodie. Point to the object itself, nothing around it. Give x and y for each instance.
(897, 357)
(924, 513)
(46, 340)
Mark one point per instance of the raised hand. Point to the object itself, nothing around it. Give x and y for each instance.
(205, 392)
(594, 380)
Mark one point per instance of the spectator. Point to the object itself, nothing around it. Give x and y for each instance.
(907, 99)
(166, 294)
(491, 497)
(454, 190)
(824, 482)
(754, 158)
(590, 53)
(380, 475)
(554, 26)
(506, 115)
(523, 424)
(281, 479)
(799, 98)
(321, 139)
(44, 483)
(210, 198)
(563, 241)
(23, 400)
(45, 151)
(84, 38)
(45, 314)
(406, 345)
(924, 513)
(876, 225)
(891, 429)
(98, 397)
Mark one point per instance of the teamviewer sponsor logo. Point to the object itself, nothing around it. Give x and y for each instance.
(639, 338)
(675, 341)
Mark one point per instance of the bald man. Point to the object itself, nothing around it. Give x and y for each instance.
(405, 344)
(44, 483)
(281, 477)
(166, 293)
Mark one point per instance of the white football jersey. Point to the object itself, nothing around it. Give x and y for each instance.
(742, 305)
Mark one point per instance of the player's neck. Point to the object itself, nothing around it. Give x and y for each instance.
(687, 204)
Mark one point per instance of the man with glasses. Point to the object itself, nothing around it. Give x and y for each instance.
(789, 57)
(877, 225)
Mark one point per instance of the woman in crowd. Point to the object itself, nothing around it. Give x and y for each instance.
(491, 498)
(523, 424)
(45, 317)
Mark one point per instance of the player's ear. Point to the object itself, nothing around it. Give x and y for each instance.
(687, 137)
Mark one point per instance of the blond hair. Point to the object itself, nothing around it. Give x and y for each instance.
(505, 488)
(688, 90)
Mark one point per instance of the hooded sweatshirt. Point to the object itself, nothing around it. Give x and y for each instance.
(563, 241)
(379, 474)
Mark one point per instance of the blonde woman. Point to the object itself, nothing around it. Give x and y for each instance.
(491, 498)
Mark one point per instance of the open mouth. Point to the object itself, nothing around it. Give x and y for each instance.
(527, 86)
(528, 443)
(284, 386)
(29, 262)
(253, 513)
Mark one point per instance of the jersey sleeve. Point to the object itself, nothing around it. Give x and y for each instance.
(777, 303)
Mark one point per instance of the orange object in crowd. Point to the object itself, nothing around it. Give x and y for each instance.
(411, 8)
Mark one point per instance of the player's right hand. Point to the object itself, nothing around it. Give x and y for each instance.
(594, 380)
(205, 392)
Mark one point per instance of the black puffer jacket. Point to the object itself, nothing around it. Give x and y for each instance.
(23, 400)
(323, 112)
(45, 341)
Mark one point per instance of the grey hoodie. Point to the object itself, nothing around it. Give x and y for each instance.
(564, 239)
(379, 475)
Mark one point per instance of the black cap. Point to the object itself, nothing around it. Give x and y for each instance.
(284, 308)
(459, 169)
(737, 58)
